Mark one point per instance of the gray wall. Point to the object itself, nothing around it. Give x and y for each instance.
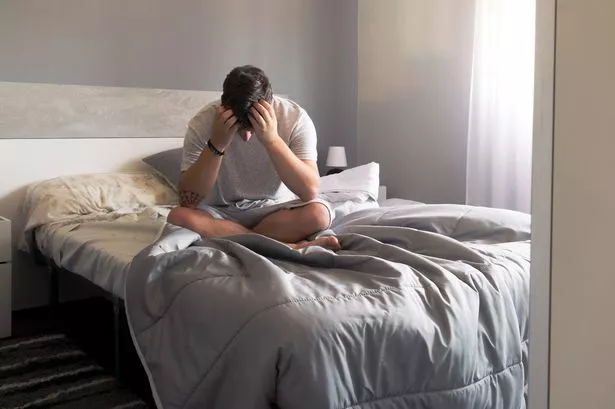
(308, 48)
(415, 64)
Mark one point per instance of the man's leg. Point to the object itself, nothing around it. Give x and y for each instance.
(207, 226)
(203, 223)
(296, 225)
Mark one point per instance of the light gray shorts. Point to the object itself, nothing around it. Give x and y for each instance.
(250, 216)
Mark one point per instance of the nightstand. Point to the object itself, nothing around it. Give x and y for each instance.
(5, 278)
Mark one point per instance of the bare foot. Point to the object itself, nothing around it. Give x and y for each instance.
(328, 242)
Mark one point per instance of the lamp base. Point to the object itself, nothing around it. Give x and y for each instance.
(334, 171)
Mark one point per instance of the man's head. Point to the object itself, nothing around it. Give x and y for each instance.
(242, 87)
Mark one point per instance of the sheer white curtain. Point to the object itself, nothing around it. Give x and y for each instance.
(501, 105)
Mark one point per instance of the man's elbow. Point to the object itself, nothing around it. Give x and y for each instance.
(310, 193)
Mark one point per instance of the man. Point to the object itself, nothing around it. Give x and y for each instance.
(241, 156)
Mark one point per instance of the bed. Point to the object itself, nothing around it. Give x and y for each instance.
(94, 224)
(426, 306)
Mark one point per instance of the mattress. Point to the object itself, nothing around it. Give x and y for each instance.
(99, 250)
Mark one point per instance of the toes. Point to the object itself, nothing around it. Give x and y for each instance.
(333, 243)
(329, 242)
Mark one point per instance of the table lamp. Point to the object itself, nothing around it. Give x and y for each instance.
(336, 159)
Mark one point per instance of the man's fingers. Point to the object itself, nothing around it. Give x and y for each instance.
(221, 112)
(230, 121)
(261, 109)
(227, 115)
(253, 122)
(268, 107)
(256, 121)
(258, 117)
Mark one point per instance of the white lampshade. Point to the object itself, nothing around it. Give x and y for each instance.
(337, 157)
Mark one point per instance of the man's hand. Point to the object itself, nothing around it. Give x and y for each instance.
(224, 128)
(264, 122)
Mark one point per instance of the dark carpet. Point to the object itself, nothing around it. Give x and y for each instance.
(50, 371)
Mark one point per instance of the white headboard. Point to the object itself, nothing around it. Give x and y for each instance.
(24, 161)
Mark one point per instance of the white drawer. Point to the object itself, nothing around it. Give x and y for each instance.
(5, 240)
(5, 300)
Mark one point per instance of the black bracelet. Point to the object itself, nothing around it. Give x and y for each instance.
(213, 149)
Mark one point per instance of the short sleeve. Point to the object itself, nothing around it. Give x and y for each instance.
(303, 139)
(196, 138)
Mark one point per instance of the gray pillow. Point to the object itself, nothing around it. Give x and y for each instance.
(167, 165)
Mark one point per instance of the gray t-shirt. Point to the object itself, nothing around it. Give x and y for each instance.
(247, 176)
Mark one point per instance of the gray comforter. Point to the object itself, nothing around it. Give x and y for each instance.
(426, 306)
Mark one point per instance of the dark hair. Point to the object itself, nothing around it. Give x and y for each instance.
(242, 87)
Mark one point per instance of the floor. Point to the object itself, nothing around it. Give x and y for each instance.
(90, 324)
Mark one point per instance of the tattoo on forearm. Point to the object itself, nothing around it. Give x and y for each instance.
(189, 199)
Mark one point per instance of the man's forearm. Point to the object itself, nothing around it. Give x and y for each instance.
(299, 177)
(196, 182)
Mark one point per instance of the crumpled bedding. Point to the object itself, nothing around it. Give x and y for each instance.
(75, 199)
(426, 306)
(94, 224)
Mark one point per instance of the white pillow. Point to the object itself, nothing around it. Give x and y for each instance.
(361, 179)
(90, 196)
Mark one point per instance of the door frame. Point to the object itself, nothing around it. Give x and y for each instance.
(542, 192)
